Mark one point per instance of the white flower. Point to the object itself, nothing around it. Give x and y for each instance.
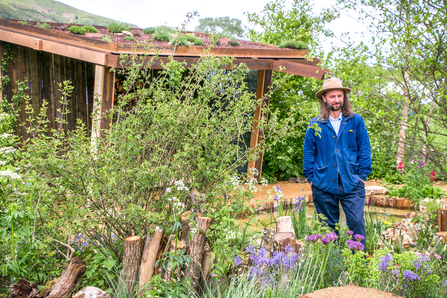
(235, 180)
(263, 182)
(168, 189)
(182, 188)
(2, 162)
(193, 231)
(6, 150)
(10, 174)
(179, 183)
(158, 229)
(5, 135)
(230, 235)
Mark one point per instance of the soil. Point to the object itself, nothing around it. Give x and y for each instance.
(348, 292)
(144, 38)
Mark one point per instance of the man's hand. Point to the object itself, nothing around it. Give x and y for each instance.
(311, 184)
(364, 182)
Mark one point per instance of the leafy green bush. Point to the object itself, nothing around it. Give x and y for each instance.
(117, 27)
(149, 30)
(107, 38)
(23, 22)
(76, 30)
(43, 25)
(294, 44)
(90, 29)
(186, 40)
(233, 42)
(130, 38)
(162, 36)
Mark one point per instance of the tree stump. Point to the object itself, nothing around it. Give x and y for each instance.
(131, 264)
(69, 280)
(149, 256)
(91, 292)
(267, 240)
(23, 289)
(284, 224)
(206, 265)
(196, 250)
(281, 240)
(185, 226)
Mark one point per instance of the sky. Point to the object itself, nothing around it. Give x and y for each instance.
(150, 13)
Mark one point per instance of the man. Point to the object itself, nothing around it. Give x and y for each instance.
(337, 158)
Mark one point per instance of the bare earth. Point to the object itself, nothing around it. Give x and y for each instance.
(348, 292)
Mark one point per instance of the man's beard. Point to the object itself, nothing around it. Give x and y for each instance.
(331, 107)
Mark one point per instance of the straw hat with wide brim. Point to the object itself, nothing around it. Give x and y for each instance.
(331, 84)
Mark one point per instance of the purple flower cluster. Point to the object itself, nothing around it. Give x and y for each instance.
(350, 233)
(262, 265)
(278, 193)
(384, 262)
(358, 237)
(410, 275)
(314, 238)
(329, 237)
(300, 204)
(237, 261)
(355, 245)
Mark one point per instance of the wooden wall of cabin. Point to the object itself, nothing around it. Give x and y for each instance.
(42, 73)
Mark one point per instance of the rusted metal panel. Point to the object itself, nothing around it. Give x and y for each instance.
(299, 69)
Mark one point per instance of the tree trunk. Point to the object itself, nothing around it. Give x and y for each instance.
(403, 130)
(131, 264)
(206, 265)
(284, 224)
(197, 249)
(281, 240)
(267, 240)
(149, 257)
(69, 280)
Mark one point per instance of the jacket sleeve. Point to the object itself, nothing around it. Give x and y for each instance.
(364, 147)
(309, 154)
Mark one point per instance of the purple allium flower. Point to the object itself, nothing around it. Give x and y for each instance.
(288, 249)
(358, 237)
(354, 245)
(325, 240)
(350, 233)
(237, 261)
(313, 238)
(331, 236)
(410, 275)
(384, 262)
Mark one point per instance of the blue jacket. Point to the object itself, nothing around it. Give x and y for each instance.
(327, 155)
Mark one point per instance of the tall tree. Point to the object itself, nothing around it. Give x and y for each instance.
(223, 25)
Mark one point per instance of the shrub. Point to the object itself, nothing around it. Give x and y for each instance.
(162, 36)
(294, 44)
(130, 38)
(149, 30)
(233, 42)
(117, 27)
(76, 30)
(90, 29)
(43, 25)
(107, 38)
(23, 22)
(186, 40)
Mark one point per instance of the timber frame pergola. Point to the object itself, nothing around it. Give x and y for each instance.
(106, 55)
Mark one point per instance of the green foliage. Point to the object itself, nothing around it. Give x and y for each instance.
(43, 25)
(23, 22)
(117, 27)
(163, 34)
(223, 26)
(77, 30)
(90, 29)
(294, 44)
(149, 30)
(186, 40)
(107, 38)
(233, 42)
(159, 288)
(129, 38)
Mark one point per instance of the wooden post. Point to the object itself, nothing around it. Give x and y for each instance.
(149, 257)
(257, 135)
(284, 224)
(104, 92)
(47, 79)
(34, 81)
(267, 240)
(2, 50)
(196, 250)
(131, 264)
(442, 220)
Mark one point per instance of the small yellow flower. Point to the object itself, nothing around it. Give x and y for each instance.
(387, 223)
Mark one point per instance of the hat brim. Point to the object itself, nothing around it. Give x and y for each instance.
(321, 92)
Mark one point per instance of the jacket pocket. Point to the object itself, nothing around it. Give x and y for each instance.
(352, 139)
(353, 167)
(321, 179)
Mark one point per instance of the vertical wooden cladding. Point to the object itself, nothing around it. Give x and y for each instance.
(44, 73)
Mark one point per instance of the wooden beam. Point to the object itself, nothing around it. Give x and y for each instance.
(299, 69)
(254, 140)
(104, 91)
(2, 50)
(265, 104)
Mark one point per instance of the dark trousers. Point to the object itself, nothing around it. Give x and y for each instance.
(352, 203)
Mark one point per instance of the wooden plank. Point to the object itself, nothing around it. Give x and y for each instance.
(90, 79)
(107, 97)
(47, 83)
(58, 65)
(265, 104)
(59, 47)
(21, 76)
(81, 92)
(98, 90)
(2, 50)
(299, 69)
(70, 76)
(34, 81)
(254, 140)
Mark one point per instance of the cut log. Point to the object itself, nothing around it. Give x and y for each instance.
(442, 220)
(206, 265)
(267, 240)
(185, 226)
(131, 264)
(69, 280)
(196, 250)
(23, 289)
(284, 224)
(149, 256)
(91, 292)
(281, 240)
